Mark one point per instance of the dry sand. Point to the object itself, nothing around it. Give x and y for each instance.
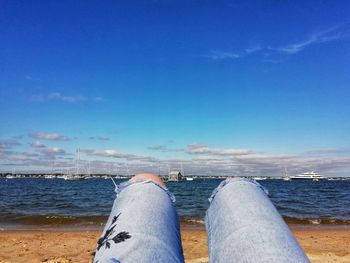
(321, 245)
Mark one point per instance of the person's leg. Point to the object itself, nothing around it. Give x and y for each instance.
(143, 225)
(244, 226)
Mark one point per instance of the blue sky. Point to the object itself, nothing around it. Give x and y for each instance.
(224, 87)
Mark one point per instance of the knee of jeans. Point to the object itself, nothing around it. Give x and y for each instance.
(148, 176)
(235, 180)
(145, 179)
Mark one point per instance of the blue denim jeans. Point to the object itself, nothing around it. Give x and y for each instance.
(242, 226)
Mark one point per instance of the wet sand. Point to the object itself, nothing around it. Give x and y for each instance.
(322, 244)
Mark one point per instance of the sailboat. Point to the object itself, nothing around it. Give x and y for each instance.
(13, 175)
(77, 175)
(285, 176)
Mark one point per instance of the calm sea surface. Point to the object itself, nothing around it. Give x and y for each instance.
(88, 202)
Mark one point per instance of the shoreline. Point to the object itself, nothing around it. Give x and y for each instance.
(322, 243)
(95, 222)
(184, 225)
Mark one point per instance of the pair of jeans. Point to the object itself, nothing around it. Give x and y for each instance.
(242, 226)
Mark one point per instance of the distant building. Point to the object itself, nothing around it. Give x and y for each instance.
(174, 176)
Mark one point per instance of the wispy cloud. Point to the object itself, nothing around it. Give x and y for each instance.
(223, 55)
(274, 54)
(158, 148)
(327, 151)
(219, 55)
(37, 98)
(98, 99)
(101, 138)
(49, 136)
(163, 148)
(57, 96)
(17, 137)
(329, 35)
(65, 98)
(31, 154)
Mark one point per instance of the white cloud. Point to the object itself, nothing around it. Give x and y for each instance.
(98, 99)
(49, 136)
(37, 98)
(161, 148)
(220, 55)
(8, 143)
(252, 49)
(59, 96)
(37, 144)
(196, 159)
(30, 154)
(229, 55)
(204, 149)
(52, 151)
(110, 153)
(327, 151)
(101, 138)
(18, 157)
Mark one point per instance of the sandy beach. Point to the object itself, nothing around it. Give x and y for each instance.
(322, 244)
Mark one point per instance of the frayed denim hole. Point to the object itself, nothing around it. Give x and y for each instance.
(120, 187)
(248, 180)
(164, 188)
(265, 190)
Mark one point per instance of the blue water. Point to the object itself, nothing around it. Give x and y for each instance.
(56, 201)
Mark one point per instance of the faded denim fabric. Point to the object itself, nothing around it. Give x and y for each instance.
(244, 226)
(143, 226)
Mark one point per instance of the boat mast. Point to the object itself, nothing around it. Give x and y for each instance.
(53, 166)
(89, 167)
(77, 161)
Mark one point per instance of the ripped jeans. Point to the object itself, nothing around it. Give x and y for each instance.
(242, 226)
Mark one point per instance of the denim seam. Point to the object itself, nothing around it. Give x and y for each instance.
(208, 233)
(120, 187)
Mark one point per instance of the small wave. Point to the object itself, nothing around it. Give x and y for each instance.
(316, 221)
(54, 220)
(192, 221)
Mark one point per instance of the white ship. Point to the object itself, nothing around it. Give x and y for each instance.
(308, 175)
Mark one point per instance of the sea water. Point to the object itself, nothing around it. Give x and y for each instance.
(32, 201)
